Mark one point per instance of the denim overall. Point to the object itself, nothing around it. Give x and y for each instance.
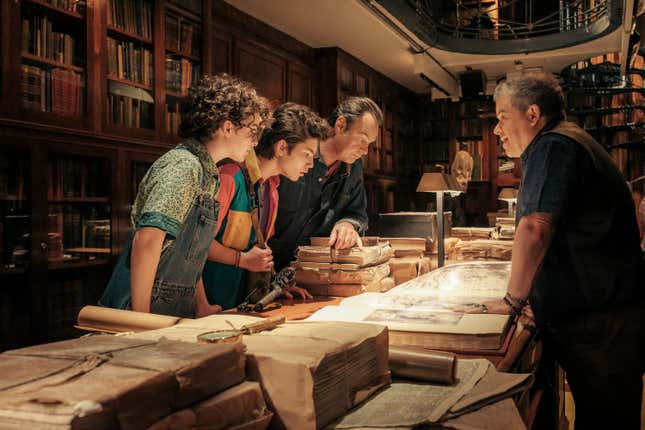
(180, 265)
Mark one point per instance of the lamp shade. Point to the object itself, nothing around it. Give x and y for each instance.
(508, 194)
(436, 181)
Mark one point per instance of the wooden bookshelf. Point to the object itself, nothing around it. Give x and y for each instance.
(612, 115)
(171, 7)
(52, 58)
(182, 62)
(131, 83)
(45, 61)
(176, 94)
(12, 197)
(34, 139)
(116, 31)
(50, 7)
(604, 111)
(183, 55)
(466, 138)
(471, 134)
(131, 40)
(605, 91)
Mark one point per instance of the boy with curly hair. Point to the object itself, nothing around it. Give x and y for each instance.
(175, 212)
(288, 148)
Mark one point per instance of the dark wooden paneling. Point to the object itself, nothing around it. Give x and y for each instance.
(267, 72)
(300, 85)
(247, 27)
(279, 66)
(222, 52)
(327, 74)
(207, 38)
(38, 264)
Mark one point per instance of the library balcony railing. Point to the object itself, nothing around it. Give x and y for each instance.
(494, 27)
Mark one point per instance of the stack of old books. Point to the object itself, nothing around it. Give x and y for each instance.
(336, 365)
(474, 233)
(325, 271)
(102, 382)
(506, 227)
(484, 250)
(410, 258)
(483, 243)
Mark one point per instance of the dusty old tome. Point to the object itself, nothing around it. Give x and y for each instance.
(99, 382)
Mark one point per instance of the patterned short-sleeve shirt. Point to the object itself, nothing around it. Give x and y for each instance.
(170, 186)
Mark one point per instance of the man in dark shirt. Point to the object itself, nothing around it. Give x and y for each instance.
(576, 256)
(329, 200)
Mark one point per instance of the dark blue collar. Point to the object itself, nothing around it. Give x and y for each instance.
(550, 125)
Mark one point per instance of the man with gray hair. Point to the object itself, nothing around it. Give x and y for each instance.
(576, 255)
(330, 199)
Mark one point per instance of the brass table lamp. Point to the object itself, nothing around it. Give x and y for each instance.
(439, 183)
(508, 195)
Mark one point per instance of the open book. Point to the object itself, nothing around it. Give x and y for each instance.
(420, 312)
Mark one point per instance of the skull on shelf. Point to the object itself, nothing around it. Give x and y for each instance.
(462, 168)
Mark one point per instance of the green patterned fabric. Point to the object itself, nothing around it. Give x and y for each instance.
(169, 188)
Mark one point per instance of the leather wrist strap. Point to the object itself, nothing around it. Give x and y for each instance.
(238, 255)
(518, 302)
(515, 304)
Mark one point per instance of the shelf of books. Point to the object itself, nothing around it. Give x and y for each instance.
(387, 142)
(406, 149)
(52, 57)
(79, 216)
(609, 106)
(472, 124)
(435, 134)
(130, 64)
(15, 212)
(183, 38)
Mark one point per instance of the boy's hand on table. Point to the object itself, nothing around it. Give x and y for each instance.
(289, 292)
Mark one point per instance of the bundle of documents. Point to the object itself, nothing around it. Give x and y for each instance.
(336, 365)
(408, 246)
(407, 268)
(241, 407)
(361, 257)
(412, 404)
(484, 250)
(506, 228)
(101, 382)
(472, 233)
(325, 271)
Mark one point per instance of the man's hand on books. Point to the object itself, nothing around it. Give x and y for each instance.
(301, 293)
(487, 307)
(344, 236)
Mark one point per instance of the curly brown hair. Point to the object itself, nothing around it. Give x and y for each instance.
(294, 123)
(215, 99)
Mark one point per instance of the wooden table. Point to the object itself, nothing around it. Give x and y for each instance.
(519, 352)
(88, 250)
(294, 309)
(298, 309)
